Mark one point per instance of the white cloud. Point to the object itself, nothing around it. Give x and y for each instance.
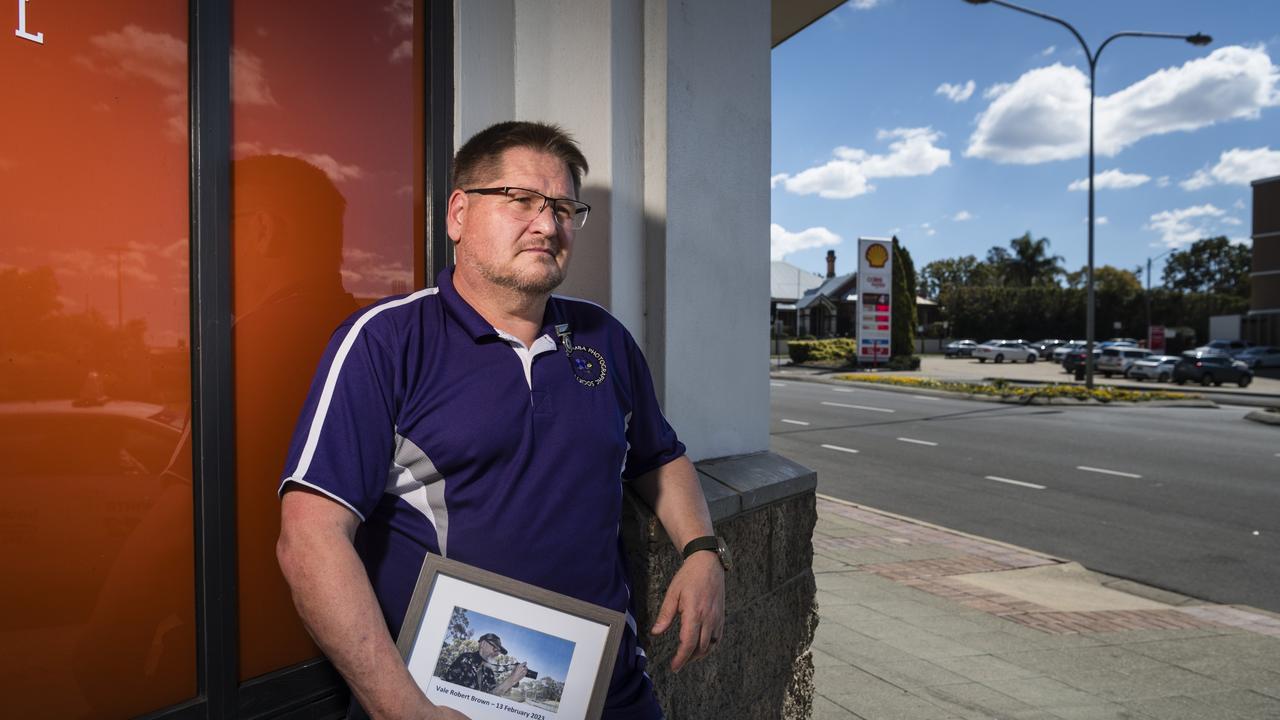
(911, 153)
(401, 12)
(1237, 166)
(783, 242)
(248, 82)
(776, 180)
(996, 90)
(1048, 51)
(1044, 115)
(1182, 227)
(1238, 204)
(1230, 221)
(1162, 181)
(368, 273)
(1100, 220)
(928, 229)
(864, 4)
(1111, 180)
(962, 216)
(956, 93)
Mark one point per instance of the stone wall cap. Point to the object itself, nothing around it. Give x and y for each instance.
(758, 479)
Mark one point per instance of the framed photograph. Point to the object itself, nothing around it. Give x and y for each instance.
(496, 648)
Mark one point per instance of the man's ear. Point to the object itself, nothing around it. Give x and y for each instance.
(455, 214)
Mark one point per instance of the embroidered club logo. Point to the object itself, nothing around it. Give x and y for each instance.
(588, 364)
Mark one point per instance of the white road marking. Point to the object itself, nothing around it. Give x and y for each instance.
(794, 422)
(777, 384)
(841, 449)
(858, 407)
(1105, 471)
(841, 389)
(1033, 486)
(926, 397)
(917, 442)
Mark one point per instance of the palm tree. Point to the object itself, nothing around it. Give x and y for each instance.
(1031, 264)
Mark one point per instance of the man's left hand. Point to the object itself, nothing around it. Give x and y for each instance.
(696, 594)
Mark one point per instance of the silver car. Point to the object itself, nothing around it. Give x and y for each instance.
(1154, 367)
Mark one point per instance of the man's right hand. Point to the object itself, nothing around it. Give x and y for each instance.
(441, 712)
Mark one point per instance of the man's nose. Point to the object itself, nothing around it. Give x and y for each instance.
(545, 221)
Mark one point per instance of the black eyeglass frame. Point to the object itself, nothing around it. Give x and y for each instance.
(579, 208)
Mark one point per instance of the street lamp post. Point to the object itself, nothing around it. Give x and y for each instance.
(1148, 293)
(1092, 57)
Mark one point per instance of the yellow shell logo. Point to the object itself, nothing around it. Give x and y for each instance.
(877, 255)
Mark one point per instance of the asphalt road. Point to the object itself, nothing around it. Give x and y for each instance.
(1186, 499)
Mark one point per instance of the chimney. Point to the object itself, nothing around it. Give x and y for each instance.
(831, 263)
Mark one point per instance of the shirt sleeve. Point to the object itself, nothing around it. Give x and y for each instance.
(651, 439)
(345, 435)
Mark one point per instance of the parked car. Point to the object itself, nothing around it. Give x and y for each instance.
(1209, 368)
(1061, 351)
(1228, 347)
(1260, 356)
(1117, 341)
(1044, 348)
(959, 348)
(1116, 359)
(1001, 350)
(1153, 367)
(1074, 361)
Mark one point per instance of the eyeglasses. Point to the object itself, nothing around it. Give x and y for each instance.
(525, 205)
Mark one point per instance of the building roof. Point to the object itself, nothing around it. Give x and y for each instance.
(788, 283)
(835, 289)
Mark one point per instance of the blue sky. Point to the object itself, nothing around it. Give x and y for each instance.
(958, 127)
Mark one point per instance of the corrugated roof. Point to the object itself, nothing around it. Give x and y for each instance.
(787, 283)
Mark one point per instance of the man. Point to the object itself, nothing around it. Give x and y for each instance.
(474, 669)
(493, 423)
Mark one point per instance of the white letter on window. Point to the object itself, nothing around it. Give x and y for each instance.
(22, 25)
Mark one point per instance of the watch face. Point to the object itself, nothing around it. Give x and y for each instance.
(722, 550)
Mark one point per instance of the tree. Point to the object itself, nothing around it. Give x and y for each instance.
(903, 320)
(1107, 280)
(1030, 264)
(950, 272)
(1210, 265)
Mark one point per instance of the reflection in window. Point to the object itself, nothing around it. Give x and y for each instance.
(96, 539)
(325, 200)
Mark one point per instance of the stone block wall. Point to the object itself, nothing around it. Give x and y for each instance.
(764, 507)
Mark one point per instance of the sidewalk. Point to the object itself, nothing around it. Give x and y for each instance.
(921, 623)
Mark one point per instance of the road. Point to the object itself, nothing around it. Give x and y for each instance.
(1186, 499)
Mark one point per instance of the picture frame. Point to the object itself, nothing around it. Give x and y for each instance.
(460, 616)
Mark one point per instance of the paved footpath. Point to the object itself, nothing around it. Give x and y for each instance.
(919, 623)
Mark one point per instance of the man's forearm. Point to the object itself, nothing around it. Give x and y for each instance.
(674, 493)
(336, 603)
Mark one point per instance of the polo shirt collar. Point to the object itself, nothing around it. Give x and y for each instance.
(475, 325)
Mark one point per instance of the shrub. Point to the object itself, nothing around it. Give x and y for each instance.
(829, 350)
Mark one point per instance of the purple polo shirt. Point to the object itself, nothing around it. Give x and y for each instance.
(446, 435)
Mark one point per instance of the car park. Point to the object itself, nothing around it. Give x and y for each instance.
(1260, 356)
(959, 348)
(1044, 348)
(1153, 367)
(1116, 359)
(1002, 350)
(1211, 368)
(1117, 341)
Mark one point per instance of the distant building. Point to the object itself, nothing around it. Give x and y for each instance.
(787, 284)
(1262, 324)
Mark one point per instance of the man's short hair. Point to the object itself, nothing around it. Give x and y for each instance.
(478, 160)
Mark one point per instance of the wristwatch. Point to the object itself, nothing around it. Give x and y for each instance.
(714, 543)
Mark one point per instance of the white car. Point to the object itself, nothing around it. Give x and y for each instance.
(1115, 360)
(1263, 356)
(1002, 350)
(1154, 367)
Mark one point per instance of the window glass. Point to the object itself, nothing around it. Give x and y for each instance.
(96, 541)
(326, 199)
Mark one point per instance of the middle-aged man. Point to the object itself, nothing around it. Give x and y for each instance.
(493, 423)
(475, 669)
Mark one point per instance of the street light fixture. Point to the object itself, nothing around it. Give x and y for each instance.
(1198, 39)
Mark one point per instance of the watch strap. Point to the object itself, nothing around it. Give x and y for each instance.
(706, 542)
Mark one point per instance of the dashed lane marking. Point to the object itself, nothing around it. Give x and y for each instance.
(837, 448)
(858, 407)
(917, 442)
(777, 384)
(1105, 471)
(794, 422)
(841, 389)
(1019, 483)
